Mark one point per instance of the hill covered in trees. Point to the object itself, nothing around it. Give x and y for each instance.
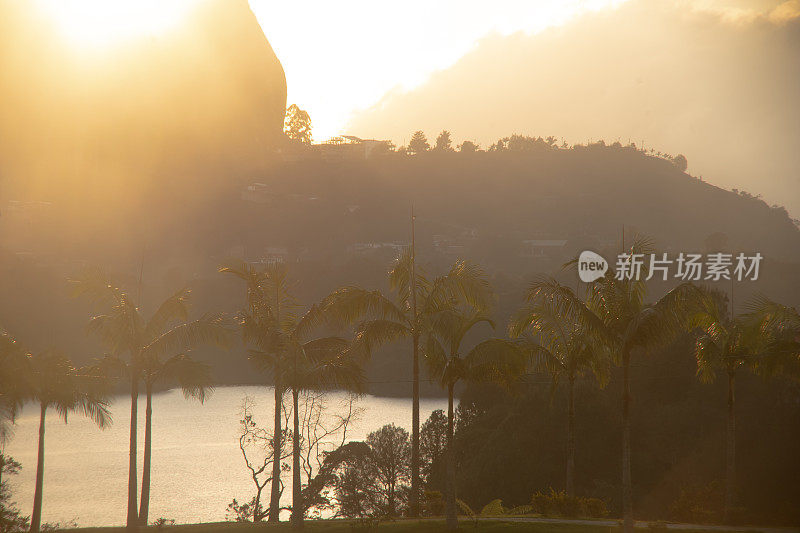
(519, 211)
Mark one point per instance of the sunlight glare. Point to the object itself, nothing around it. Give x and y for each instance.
(101, 23)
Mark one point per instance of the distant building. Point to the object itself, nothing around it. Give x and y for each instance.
(350, 147)
(272, 255)
(367, 247)
(543, 248)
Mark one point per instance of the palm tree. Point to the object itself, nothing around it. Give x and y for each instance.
(493, 360)
(56, 383)
(125, 331)
(406, 315)
(283, 344)
(268, 304)
(633, 326)
(303, 362)
(780, 326)
(14, 362)
(194, 378)
(563, 345)
(725, 343)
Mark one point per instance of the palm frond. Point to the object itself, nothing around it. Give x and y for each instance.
(194, 377)
(173, 309)
(212, 329)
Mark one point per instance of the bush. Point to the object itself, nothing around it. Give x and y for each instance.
(434, 503)
(557, 503)
(699, 504)
(520, 510)
(493, 508)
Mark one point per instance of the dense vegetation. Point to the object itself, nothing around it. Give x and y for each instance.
(503, 447)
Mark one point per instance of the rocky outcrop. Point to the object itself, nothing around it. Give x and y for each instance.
(205, 98)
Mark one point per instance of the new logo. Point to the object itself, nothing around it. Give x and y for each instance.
(591, 266)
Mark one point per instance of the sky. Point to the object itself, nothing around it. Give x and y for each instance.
(714, 80)
(352, 52)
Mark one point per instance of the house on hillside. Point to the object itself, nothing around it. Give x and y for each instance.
(350, 147)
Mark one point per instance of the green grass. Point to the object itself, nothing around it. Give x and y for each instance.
(342, 526)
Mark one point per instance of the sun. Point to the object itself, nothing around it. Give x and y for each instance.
(104, 23)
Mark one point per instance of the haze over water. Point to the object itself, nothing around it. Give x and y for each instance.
(197, 465)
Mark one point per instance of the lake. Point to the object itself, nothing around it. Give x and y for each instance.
(197, 464)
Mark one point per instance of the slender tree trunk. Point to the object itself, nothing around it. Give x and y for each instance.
(571, 438)
(132, 523)
(391, 512)
(36, 516)
(450, 502)
(144, 504)
(627, 491)
(413, 510)
(730, 460)
(277, 436)
(413, 503)
(297, 496)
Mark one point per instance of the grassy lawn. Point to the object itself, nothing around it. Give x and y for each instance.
(400, 526)
(342, 526)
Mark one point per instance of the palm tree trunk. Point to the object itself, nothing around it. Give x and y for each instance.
(297, 496)
(571, 438)
(730, 460)
(144, 504)
(450, 503)
(132, 524)
(627, 492)
(413, 510)
(413, 501)
(36, 516)
(275, 494)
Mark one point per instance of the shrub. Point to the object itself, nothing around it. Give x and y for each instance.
(557, 503)
(699, 504)
(493, 508)
(520, 510)
(434, 503)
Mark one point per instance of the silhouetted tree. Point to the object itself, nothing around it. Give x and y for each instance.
(632, 325)
(727, 344)
(297, 124)
(57, 384)
(493, 360)
(407, 314)
(418, 143)
(680, 162)
(14, 389)
(432, 442)
(125, 331)
(561, 346)
(267, 303)
(11, 521)
(390, 455)
(468, 147)
(443, 142)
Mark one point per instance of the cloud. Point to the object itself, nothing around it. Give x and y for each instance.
(786, 12)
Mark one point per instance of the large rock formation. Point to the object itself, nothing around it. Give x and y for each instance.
(200, 101)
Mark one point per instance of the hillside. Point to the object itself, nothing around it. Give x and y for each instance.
(342, 222)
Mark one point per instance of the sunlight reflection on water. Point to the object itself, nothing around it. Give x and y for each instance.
(197, 466)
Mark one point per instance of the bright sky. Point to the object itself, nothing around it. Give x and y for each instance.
(345, 55)
(338, 56)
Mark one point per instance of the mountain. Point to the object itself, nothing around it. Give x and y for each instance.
(717, 85)
(341, 222)
(78, 124)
